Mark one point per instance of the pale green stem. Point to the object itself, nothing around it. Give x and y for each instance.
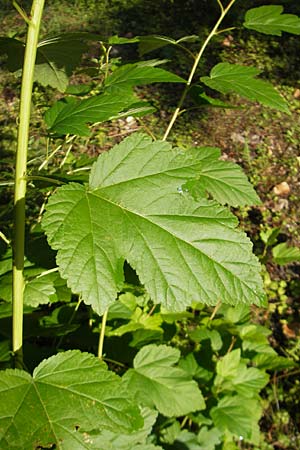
(102, 334)
(4, 238)
(20, 176)
(21, 12)
(213, 32)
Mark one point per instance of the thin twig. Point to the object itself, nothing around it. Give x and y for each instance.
(195, 65)
(102, 334)
(216, 308)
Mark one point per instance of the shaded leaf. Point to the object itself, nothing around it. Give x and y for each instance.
(153, 42)
(157, 382)
(227, 78)
(133, 208)
(270, 20)
(56, 58)
(68, 393)
(40, 290)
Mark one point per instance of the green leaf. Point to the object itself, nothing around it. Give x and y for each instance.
(68, 394)
(270, 20)
(224, 180)
(118, 40)
(227, 78)
(269, 237)
(228, 365)
(14, 49)
(72, 117)
(114, 440)
(5, 351)
(203, 333)
(57, 57)
(139, 320)
(182, 251)
(40, 290)
(237, 415)
(272, 361)
(157, 382)
(132, 75)
(209, 439)
(283, 254)
(153, 42)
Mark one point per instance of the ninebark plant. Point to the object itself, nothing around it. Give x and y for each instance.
(166, 212)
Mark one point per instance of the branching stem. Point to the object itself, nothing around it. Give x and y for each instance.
(213, 32)
(20, 177)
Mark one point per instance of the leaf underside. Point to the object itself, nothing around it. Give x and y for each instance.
(135, 208)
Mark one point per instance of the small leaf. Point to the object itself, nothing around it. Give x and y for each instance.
(69, 393)
(227, 78)
(132, 75)
(283, 254)
(270, 20)
(209, 439)
(224, 180)
(40, 290)
(269, 237)
(182, 250)
(72, 117)
(157, 382)
(149, 43)
(272, 361)
(229, 364)
(118, 40)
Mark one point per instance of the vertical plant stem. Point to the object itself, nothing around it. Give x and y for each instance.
(213, 32)
(20, 177)
(102, 334)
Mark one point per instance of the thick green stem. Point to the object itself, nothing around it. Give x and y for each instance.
(20, 176)
(213, 32)
(102, 334)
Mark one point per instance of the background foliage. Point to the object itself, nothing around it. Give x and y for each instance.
(231, 354)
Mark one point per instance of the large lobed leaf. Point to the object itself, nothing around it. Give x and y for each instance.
(227, 78)
(135, 208)
(270, 20)
(68, 394)
(157, 382)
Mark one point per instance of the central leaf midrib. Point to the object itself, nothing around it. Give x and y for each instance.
(160, 227)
